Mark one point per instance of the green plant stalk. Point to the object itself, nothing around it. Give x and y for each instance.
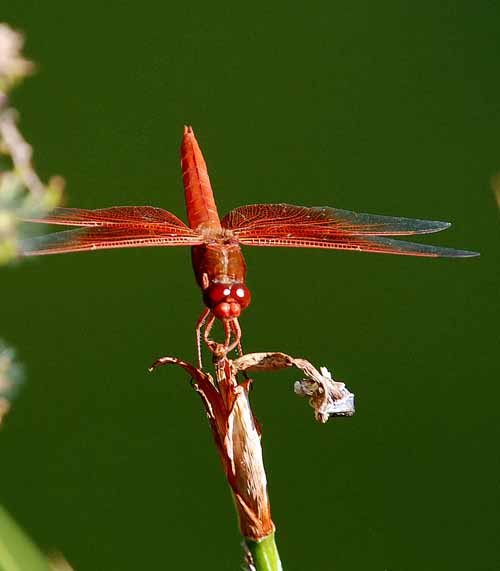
(17, 551)
(264, 554)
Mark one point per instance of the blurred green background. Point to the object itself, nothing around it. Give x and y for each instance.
(389, 108)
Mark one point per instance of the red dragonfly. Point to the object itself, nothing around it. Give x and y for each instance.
(217, 259)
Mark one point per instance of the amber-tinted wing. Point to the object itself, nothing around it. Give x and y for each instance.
(84, 239)
(292, 226)
(117, 227)
(129, 216)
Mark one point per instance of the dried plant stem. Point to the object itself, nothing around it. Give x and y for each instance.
(237, 436)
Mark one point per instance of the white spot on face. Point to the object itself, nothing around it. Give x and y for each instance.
(227, 291)
(240, 292)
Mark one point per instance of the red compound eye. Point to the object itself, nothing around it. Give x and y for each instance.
(215, 294)
(241, 294)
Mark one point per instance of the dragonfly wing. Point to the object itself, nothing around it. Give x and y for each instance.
(373, 244)
(281, 219)
(129, 216)
(330, 228)
(84, 239)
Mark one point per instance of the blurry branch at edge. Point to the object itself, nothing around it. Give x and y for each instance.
(22, 193)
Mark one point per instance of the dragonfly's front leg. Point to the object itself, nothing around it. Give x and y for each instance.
(199, 325)
(227, 331)
(231, 326)
(235, 326)
(211, 344)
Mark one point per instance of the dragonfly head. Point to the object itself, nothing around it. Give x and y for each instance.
(226, 300)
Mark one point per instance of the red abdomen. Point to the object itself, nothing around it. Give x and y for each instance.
(200, 203)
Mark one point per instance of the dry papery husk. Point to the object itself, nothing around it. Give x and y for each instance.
(236, 431)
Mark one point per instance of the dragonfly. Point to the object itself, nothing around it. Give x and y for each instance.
(217, 258)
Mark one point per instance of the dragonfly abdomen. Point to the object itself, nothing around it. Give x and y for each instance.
(200, 202)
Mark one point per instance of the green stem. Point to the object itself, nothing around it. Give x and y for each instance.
(265, 554)
(17, 552)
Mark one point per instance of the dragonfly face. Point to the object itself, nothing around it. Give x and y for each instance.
(226, 301)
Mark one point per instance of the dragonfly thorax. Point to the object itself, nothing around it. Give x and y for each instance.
(226, 300)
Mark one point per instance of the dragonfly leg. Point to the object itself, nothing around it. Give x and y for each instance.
(235, 326)
(218, 349)
(231, 327)
(199, 325)
(208, 328)
(227, 331)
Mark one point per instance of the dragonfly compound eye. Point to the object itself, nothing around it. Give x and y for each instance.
(241, 294)
(215, 294)
(226, 300)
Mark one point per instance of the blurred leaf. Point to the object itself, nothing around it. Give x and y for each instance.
(17, 551)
